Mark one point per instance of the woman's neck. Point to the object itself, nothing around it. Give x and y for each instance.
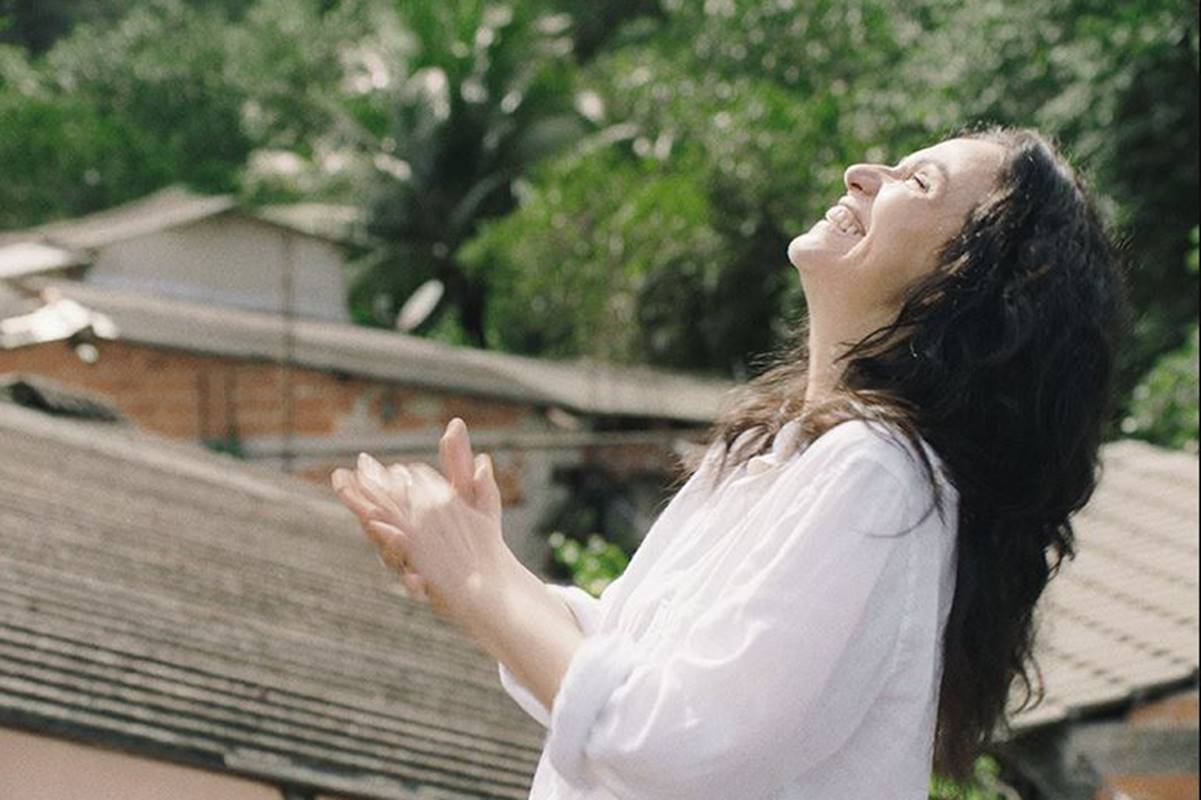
(823, 373)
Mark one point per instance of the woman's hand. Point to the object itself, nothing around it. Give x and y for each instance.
(445, 532)
(349, 491)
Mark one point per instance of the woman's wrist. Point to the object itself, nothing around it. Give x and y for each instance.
(485, 597)
(525, 626)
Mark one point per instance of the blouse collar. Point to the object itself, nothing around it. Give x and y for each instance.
(781, 445)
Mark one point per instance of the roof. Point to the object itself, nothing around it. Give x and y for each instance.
(1121, 618)
(168, 208)
(182, 604)
(336, 221)
(31, 256)
(63, 243)
(585, 386)
(56, 319)
(15, 301)
(228, 615)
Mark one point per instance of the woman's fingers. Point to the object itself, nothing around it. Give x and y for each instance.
(414, 584)
(381, 486)
(487, 492)
(389, 539)
(392, 542)
(454, 450)
(351, 494)
(416, 587)
(428, 483)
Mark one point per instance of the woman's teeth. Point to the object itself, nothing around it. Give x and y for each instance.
(841, 218)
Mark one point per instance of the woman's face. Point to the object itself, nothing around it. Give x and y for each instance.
(887, 230)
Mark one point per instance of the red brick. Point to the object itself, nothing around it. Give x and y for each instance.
(1150, 787)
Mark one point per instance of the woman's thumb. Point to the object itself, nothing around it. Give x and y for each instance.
(487, 493)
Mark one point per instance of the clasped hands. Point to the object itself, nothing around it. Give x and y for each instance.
(443, 534)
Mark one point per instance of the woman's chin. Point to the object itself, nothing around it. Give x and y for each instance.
(819, 246)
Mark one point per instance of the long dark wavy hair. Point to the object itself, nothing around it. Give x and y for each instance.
(1001, 359)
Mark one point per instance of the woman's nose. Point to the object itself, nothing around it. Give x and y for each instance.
(864, 178)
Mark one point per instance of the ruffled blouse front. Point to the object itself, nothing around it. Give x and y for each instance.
(778, 638)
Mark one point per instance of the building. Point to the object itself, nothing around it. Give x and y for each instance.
(206, 249)
(1118, 642)
(308, 395)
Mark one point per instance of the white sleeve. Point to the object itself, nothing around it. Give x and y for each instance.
(587, 612)
(776, 674)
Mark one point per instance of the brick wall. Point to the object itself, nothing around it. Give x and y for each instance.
(196, 396)
(1180, 781)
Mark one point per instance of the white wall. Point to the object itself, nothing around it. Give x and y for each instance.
(229, 260)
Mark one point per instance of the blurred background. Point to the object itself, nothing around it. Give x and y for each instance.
(293, 230)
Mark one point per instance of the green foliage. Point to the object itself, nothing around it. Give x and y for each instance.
(170, 92)
(113, 113)
(1117, 83)
(314, 79)
(986, 784)
(593, 565)
(623, 191)
(609, 220)
(38, 24)
(230, 444)
(1165, 404)
(758, 108)
(287, 60)
(63, 156)
(487, 93)
(722, 147)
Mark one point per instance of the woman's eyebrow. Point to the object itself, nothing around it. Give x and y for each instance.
(927, 160)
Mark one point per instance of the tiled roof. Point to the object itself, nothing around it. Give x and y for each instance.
(143, 582)
(591, 388)
(179, 603)
(1122, 618)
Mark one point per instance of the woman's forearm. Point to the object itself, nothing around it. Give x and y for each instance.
(526, 627)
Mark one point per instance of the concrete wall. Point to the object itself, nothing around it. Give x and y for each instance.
(36, 767)
(230, 260)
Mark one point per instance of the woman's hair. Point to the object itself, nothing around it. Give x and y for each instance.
(1002, 360)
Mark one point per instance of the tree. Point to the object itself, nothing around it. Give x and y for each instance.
(771, 104)
(1164, 405)
(37, 24)
(488, 92)
(1117, 84)
(678, 228)
(113, 113)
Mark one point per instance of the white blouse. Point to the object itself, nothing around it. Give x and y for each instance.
(779, 639)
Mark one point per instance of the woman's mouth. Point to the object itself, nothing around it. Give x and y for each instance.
(844, 221)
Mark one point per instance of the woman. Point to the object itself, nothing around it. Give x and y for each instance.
(840, 594)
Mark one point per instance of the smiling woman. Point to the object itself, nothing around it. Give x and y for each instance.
(977, 308)
(799, 622)
(883, 235)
